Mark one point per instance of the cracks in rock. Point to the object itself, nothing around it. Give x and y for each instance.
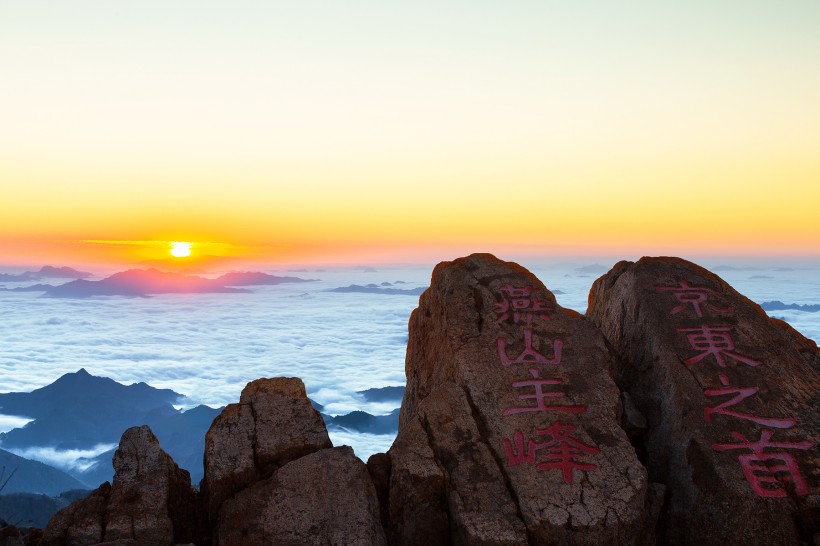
(103, 515)
(479, 306)
(437, 458)
(425, 427)
(256, 465)
(484, 435)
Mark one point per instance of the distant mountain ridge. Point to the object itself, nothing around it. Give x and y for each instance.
(780, 306)
(252, 278)
(80, 411)
(145, 282)
(47, 271)
(375, 289)
(25, 476)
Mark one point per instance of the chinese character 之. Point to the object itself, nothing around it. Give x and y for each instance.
(741, 393)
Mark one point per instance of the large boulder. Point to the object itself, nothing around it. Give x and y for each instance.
(273, 424)
(326, 497)
(731, 397)
(509, 427)
(150, 502)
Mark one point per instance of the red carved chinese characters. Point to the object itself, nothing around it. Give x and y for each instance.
(694, 295)
(768, 473)
(740, 395)
(539, 396)
(563, 451)
(519, 453)
(529, 355)
(716, 342)
(559, 449)
(520, 304)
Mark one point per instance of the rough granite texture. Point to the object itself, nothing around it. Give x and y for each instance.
(150, 502)
(512, 431)
(273, 424)
(655, 325)
(454, 439)
(326, 497)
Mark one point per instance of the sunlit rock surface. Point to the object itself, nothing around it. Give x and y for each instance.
(509, 426)
(731, 397)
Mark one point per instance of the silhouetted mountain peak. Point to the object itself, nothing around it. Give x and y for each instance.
(254, 278)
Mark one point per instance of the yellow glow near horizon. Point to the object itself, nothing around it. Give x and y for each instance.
(327, 130)
(180, 249)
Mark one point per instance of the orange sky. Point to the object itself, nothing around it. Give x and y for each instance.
(369, 132)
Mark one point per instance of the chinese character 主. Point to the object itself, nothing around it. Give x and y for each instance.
(540, 396)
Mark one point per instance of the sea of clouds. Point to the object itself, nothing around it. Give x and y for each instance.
(209, 346)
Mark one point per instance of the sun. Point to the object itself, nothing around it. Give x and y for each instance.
(180, 249)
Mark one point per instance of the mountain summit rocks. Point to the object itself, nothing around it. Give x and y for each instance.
(150, 502)
(272, 475)
(732, 399)
(509, 427)
(676, 412)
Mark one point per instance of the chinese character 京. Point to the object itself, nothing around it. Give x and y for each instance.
(692, 295)
(768, 473)
(716, 342)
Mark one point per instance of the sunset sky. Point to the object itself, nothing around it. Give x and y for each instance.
(385, 131)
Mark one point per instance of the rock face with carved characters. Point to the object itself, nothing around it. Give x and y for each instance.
(732, 401)
(509, 429)
(150, 502)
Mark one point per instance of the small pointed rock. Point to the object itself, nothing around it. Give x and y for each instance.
(273, 424)
(150, 502)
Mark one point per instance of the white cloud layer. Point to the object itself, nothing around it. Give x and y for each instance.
(209, 346)
(68, 460)
(8, 422)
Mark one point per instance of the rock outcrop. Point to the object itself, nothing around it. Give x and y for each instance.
(272, 475)
(273, 424)
(509, 427)
(326, 497)
(150, 502)
(731, 398)
(521, 423)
